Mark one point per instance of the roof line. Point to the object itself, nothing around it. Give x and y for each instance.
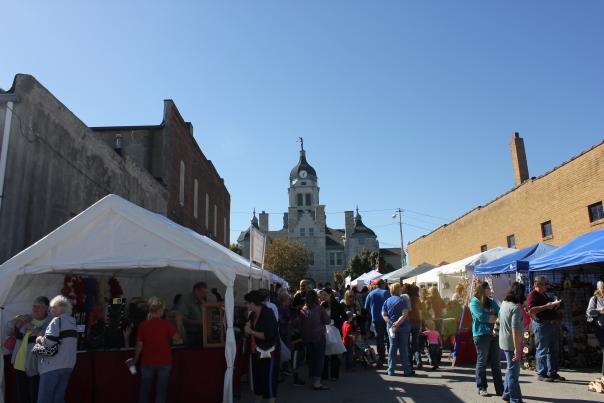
(532, 179)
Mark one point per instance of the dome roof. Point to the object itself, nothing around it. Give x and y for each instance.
(302, 165)
(360, 228)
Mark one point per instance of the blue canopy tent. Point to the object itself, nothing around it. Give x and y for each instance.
(586, 249)
(517, 261)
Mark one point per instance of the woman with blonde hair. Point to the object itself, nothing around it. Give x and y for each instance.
(396, 315)
(153, 342)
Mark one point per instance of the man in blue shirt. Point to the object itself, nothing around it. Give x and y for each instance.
(374, 303)
(396, 314)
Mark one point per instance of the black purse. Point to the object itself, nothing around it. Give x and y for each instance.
(43, 351)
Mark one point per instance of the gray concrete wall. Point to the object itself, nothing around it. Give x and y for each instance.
(57, 168)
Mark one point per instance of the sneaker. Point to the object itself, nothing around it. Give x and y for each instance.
(544, 379)
(483, 393)
(505, 398)
(557, 378)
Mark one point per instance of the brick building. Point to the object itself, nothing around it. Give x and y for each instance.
(554, 208)
(197, 196)
(52, 167)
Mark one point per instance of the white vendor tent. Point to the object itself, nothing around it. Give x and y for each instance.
(447, 276)
(148, 253)
(395, 275)
(365, 278)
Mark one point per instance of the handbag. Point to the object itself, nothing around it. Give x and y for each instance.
(333, 341)
(594, 313)
(10, 342)
(286, 354)
(43, 351)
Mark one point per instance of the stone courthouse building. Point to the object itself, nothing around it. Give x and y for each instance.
(53, 166)
(553, 208)
(329, 249)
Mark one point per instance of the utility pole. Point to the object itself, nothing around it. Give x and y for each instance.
(399, 212)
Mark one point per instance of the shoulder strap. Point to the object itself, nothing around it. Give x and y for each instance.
(394, 306)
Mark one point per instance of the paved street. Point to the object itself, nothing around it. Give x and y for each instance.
(448, 384)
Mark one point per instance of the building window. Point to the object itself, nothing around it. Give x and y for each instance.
(308, 199)
(332, 258)
(511, 241)
(225, 230)
(302, 231)
(311, 232)
(361, 241)
(339, 258)
(483, 248)
(546, 229)
(215, 221)
(596, 212)
(195, 198)
(207, 211)
(311, 258)
(303, 183)
(300, 198)
(181, 189)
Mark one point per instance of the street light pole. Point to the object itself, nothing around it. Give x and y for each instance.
(399, 212)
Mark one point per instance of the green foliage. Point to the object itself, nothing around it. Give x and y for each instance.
(288, 260)
(235, 248)
(364, 262)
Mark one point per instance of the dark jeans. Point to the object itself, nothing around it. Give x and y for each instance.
(600, 335)
(53, 385)
(27, 387)
(331, 367)
(512, 379)
(435, 353)
(547, 343)
(349, 356)
(415, 354)
(315, 354)
(487, 353)
(381, 339)
(161, 386)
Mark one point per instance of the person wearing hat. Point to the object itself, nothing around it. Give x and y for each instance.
(374, 303)
(25, 329)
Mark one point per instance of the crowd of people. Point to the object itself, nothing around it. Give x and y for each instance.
(283, 331)
(321, 327)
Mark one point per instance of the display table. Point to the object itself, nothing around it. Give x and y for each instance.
(102, 377)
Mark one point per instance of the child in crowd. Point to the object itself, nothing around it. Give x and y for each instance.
(349, 334)
(434, 344)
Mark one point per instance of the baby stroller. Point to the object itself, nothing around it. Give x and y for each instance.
(364, 353)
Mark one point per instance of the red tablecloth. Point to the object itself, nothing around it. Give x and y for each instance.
(102, 376)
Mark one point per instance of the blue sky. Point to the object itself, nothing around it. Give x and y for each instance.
(400, 103)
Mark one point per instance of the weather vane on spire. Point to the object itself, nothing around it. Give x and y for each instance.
(301, 141)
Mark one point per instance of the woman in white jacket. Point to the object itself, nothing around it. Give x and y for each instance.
(55, 371)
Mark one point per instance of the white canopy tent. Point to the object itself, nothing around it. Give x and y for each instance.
(148, 253)
(444, 276)
(365, 278)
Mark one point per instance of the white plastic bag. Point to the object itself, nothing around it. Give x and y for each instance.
(285, 354)
(333, 341)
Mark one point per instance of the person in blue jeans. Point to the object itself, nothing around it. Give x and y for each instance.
(55, 371)
(510, 340)
(395, 312)
(543, 311)
(484, 312)
(374, 303)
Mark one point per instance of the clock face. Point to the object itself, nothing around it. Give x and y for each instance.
(303, 174)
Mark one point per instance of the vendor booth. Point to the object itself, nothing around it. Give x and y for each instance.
(109, 260)
(447, 276)
(572, 271)
(394, 276)
(365, 279)
(411, 276)
(509, 268)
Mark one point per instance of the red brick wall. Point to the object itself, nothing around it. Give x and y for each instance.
(182, 146)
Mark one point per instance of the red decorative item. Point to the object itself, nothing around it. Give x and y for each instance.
(115, 288)
(74, 290)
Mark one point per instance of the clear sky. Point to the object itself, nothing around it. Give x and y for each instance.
(401, 104)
